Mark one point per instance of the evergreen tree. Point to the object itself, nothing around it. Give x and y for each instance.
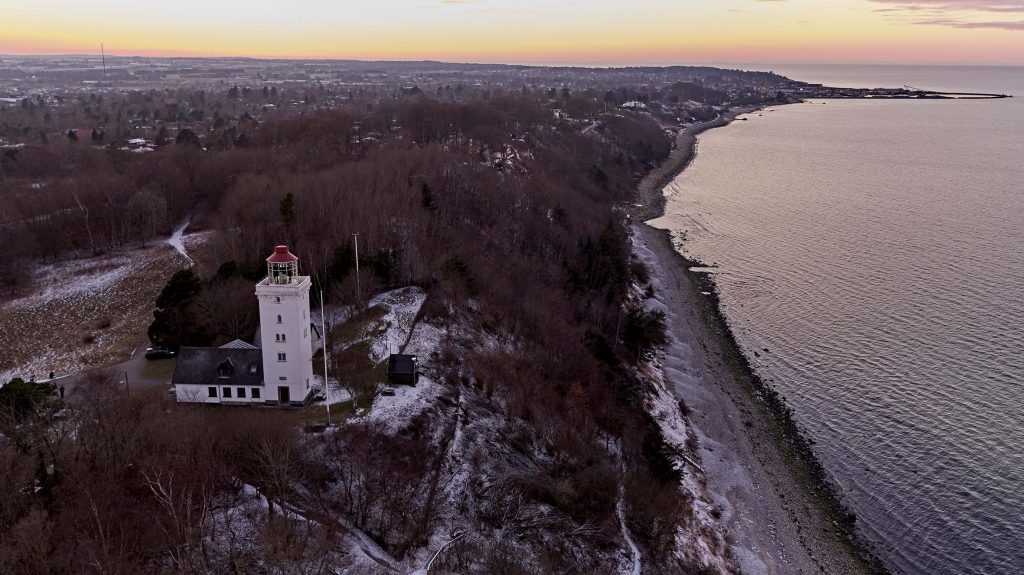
(287, 210)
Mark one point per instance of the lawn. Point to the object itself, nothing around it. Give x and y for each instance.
(161, 369)
(311, 414)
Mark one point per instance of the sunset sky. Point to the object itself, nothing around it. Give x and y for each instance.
(529, 31)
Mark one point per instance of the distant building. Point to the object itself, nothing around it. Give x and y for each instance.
(281, 371)
(403, 369)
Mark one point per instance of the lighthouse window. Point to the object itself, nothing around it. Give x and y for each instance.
(282, 357)
(277, 300)
(278, 319)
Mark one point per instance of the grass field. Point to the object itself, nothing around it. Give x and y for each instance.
(84, 313)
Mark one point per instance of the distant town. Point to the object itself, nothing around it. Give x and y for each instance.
(139, 103)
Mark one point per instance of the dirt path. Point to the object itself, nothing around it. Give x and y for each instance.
(774, 525)
(176, 240)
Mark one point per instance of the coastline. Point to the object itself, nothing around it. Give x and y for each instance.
(782, 512)
(650, 201)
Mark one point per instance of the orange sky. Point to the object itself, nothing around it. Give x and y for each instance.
(553, 31)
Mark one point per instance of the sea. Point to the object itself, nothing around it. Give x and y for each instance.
(869, 257)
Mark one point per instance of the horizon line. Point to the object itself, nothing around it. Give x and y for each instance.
(596, 65)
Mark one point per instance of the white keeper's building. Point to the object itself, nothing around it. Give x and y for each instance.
(280, 371)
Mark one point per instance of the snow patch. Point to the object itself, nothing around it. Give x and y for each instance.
(393, 413)
(175, 241)
(395, 326)
(620, 512)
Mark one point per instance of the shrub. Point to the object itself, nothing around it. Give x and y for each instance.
(22, 397)
(644, 331)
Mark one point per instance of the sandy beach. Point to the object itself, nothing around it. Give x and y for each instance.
(780, 516)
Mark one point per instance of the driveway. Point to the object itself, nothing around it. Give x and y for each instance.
(133, 368)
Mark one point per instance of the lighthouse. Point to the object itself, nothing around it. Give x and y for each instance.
(285, 330)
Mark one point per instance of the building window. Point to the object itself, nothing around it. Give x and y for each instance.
(277, 300)
(305, 333)
(241, 393)
(255, 393)
(211, 392)
(282, 357)
(227, 392)
(278, 319)
(283, 378)
(280, 337)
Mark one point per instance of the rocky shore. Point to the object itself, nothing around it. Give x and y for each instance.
(782, 512)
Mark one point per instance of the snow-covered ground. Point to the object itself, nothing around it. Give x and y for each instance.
(663, 405)
(86, 312)
(394, 329)
(394, 413)
(636, 559)
(397, 331)
(336, 393)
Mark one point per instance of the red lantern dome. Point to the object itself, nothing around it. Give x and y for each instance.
(281, 255)
(282, 266)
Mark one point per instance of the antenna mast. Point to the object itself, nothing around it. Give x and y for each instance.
(103, 56)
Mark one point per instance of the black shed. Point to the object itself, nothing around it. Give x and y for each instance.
(402, 369)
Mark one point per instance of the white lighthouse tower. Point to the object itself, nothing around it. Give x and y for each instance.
(285, 329)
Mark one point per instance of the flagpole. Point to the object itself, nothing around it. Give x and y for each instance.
(323, 335)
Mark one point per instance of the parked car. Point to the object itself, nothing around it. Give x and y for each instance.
(160, 353)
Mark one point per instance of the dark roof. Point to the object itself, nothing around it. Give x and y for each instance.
(281, 255)
(205, 365)
(401, 363)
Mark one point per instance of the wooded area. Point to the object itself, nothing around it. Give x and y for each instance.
(506, 215)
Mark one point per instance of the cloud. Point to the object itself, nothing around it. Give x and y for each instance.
(1015, 25)
(963, 14)
(1004, 6)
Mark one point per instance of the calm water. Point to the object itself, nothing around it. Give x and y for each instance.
(876, 249)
